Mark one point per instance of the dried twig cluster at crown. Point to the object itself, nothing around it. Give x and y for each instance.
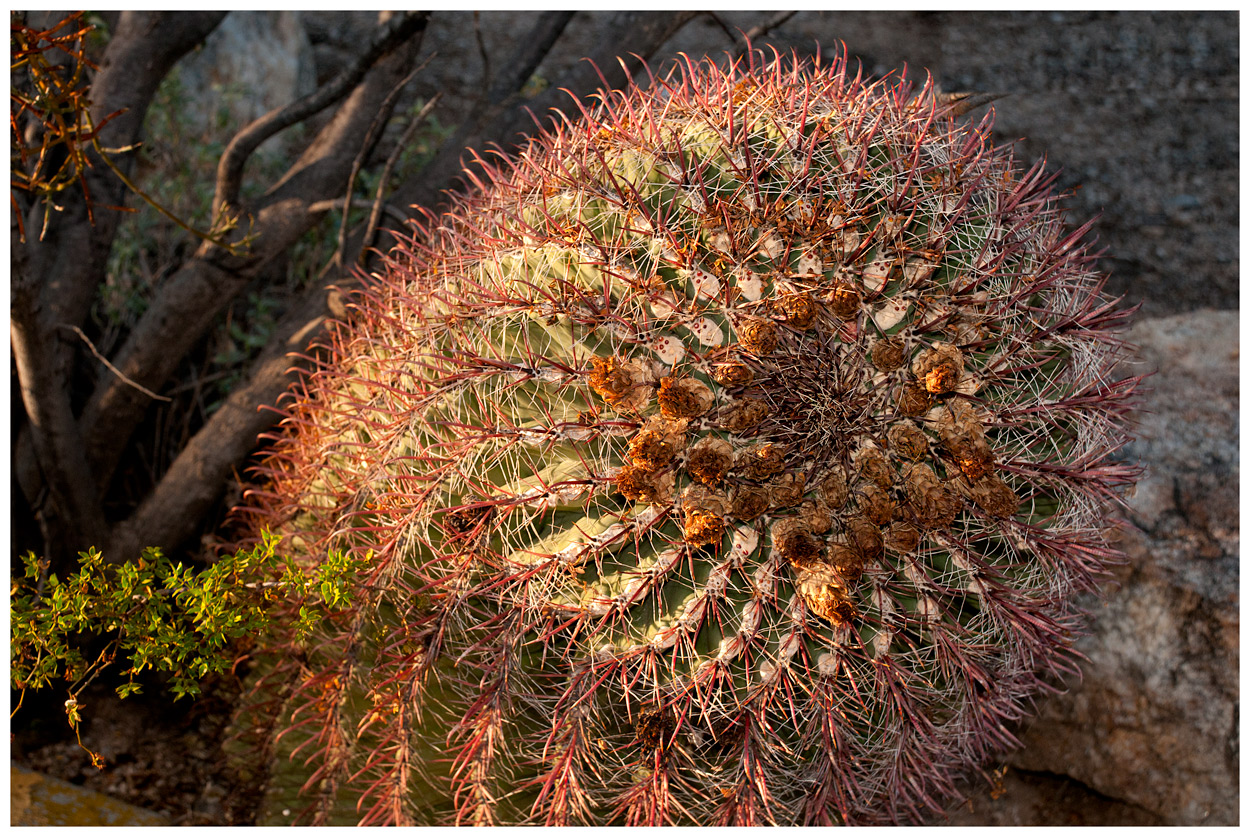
(733, 456)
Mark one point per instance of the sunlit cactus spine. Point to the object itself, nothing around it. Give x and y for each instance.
(731, 456)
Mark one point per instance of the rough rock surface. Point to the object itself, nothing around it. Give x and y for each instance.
(252, 63)
(35, 799)
(1138, 111)
(1152, 733)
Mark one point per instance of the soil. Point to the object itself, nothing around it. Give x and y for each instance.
(163, 755)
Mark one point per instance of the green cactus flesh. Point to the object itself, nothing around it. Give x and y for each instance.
(733, 455)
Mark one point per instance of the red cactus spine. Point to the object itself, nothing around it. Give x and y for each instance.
(732, 456)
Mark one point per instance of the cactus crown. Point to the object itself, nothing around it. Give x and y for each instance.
(730, 456)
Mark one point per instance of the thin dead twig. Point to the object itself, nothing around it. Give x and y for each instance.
(230, 170)
(375, 129)
(376, 214)
(113, 368)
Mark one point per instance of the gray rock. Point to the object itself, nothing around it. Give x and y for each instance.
(36, 799)
(1153, 730)
(252, 63)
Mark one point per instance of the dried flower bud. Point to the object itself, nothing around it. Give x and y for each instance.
(798, 310)
(795, 543)
(822, 591)
(865, 538)
(844, 301)
(888, 354)
(742, 414)
(626, 385)
(994, 496)
(939, 368)
(907, 441)
(816, 516)
(902, 538)
(732, 374)
(709, 460)
(832, 489)
(874, 503)
(914, 400)
(702, 528)
(847, 560)
(644, 485)
(748, 502)
(935, 506)
(656, 443)
(786, 490)
(760, 461)
(757, 335)
(872, 465)
(684, 398)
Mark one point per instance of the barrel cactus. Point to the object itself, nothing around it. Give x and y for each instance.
(733, 455)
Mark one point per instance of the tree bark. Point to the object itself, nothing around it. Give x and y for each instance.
(173, 510)
(632, 37)
(62, 272)
(189, 301)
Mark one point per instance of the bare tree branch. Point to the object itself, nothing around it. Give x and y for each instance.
(67, 267)
(186, 492)
(188, 302)
(762, 29)
(54, 433)
(375, 131)
(113, 368)
(629, 36)
(390, 35)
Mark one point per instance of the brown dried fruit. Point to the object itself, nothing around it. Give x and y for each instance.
(939, 368)
(847, 561)
(761, 461)
(875, 504)
(994, 496)
(902, 538)
(748, 502)
(624, 384)
(872, 465)
(709, 460)
(702, 528)
(656, 443)
(816, 516)
(757, 335)
(696, 496)
(964, 437)
(831, 489)
(865, 538)
(914, 400)
(888, 355)
(643, 485)
(743, 414)
(844, 301)
(786, 490)
(795, 543)
(684, 398)
(797, 309)
(822, 591)
(732, 374)
(933, 503)
(907, 441)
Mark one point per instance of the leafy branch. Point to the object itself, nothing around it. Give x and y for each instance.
(156, 615)
(52, 149)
